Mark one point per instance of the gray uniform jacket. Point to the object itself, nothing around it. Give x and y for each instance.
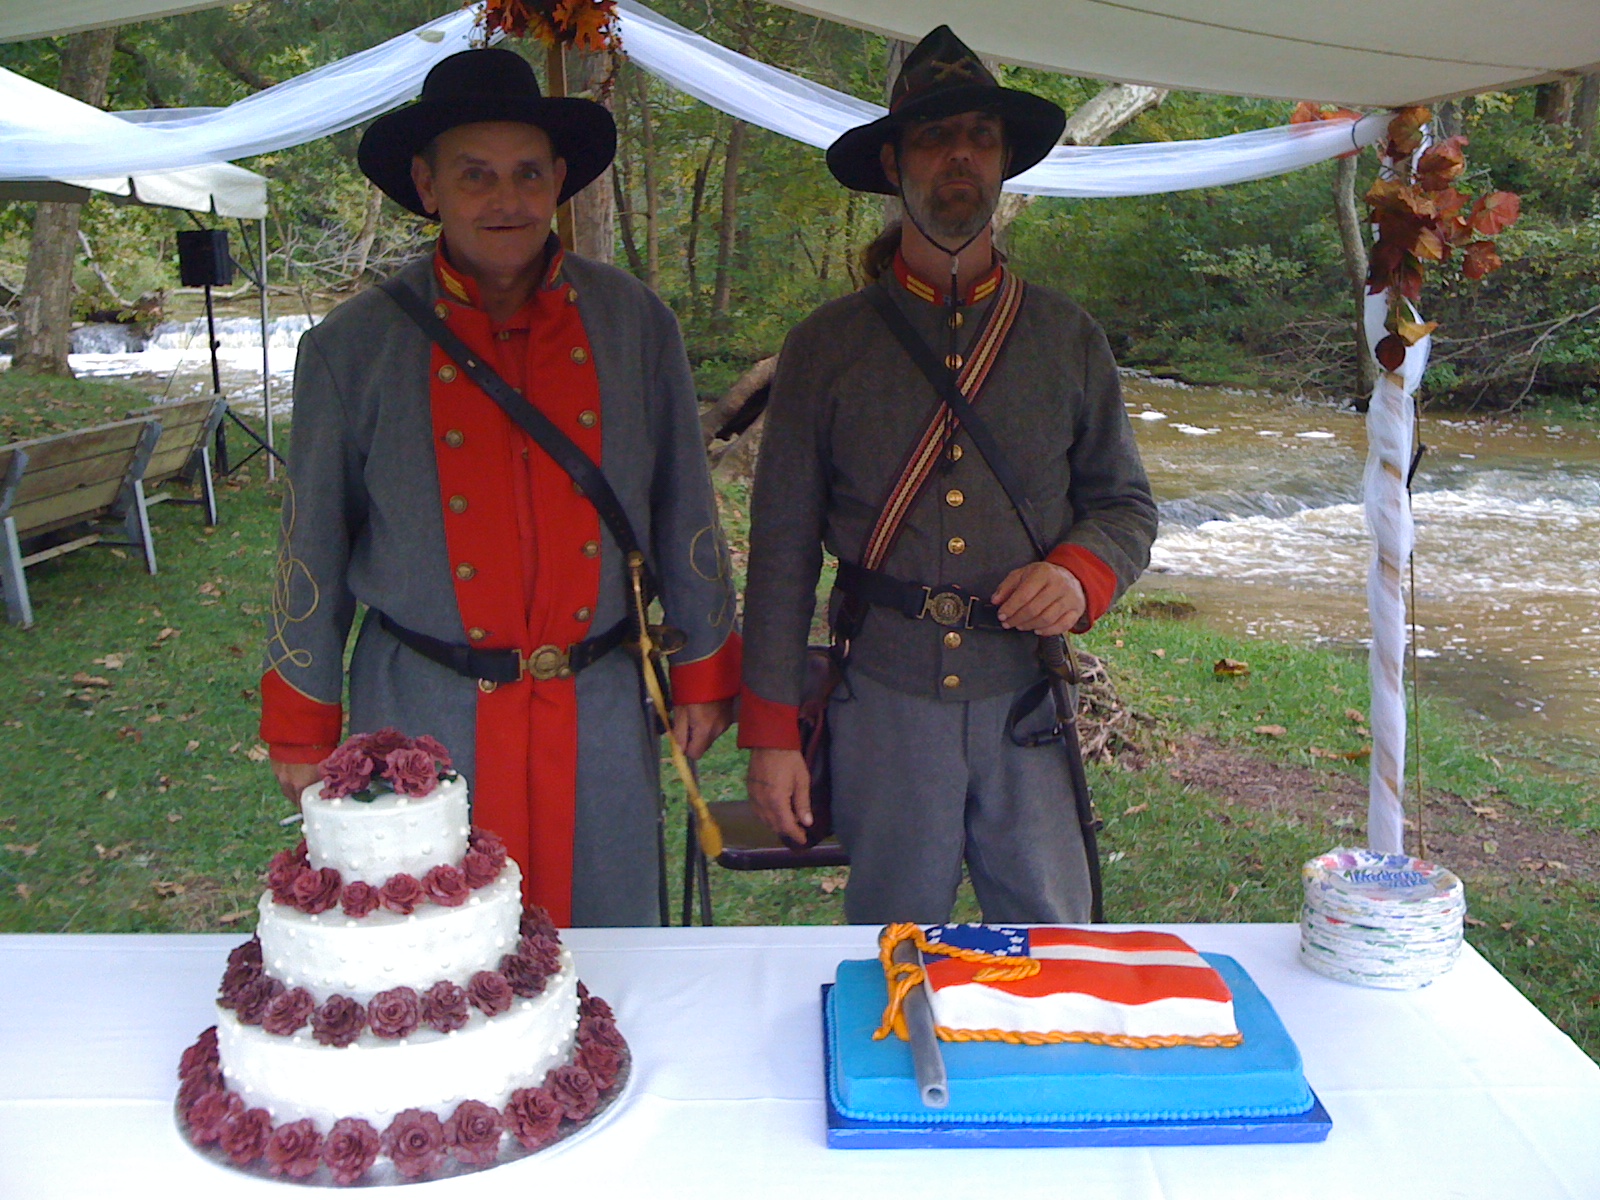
(363, 520)
(847, 404)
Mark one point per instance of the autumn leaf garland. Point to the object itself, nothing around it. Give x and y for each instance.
(589, 25)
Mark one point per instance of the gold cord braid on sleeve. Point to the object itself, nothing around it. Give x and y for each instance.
(902, 977)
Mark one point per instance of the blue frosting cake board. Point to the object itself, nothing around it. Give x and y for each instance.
(897, 1124)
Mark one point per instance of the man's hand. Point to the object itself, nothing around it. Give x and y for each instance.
(1040, 598)
(696, 726)
(294, 778)
(780, 788)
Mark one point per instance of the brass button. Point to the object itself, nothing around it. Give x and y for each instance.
(447, 374)
(441, 310)
(476, 635)
(579, 354)
(572, 295)
(587, 418)
(453, 438)
(954, 361)
(465, 570)
(956, 545)
(504, 335)
(954, 498)
(955, 453)
(953, 640)
(458, 504)
(583, 614)
(957, 320)
(590, 549)
(952, 681)
(487, 685)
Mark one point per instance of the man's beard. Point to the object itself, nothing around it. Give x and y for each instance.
(951, 219)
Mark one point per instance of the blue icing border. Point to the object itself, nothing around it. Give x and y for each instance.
(995, 1082)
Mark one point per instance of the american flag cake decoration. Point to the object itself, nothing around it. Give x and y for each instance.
(1048, 984)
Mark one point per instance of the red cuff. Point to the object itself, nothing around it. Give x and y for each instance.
(709, 679)
(767, 725)
(1099, 582)
(293, 725)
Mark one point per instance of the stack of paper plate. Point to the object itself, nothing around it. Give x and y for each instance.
(1380, 920)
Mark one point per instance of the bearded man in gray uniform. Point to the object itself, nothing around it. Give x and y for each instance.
(496, 595)
(947, 594)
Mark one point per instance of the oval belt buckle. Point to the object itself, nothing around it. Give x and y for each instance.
(548, 662)
(947, 608)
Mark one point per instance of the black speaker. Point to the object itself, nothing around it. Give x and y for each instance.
(203, 258)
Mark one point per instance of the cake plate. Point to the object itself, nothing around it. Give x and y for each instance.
(383, 1173)
(846, 1133)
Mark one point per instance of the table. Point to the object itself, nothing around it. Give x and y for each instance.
(1462, 1089)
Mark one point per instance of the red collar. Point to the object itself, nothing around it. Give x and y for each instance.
(980, 290)
(463, 289)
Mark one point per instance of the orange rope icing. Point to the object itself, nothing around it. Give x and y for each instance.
(902, 977)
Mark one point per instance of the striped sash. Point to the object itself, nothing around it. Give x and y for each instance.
(918, 468)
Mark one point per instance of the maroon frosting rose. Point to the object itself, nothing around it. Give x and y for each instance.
(534, 918)
(201, 1059)
(358, 899)
(339, 1021)
(244, 1135)
(434, 750)
(396, 1013)
(492, 847)
(479, 869)
(346, 771)
(294, 1150)
(446, 886)
(410, 772)
(541, 950)
(255, 999)
(192, 1090)
(591, 1005)
(444, 1006)
(245, 952)
(523, 975)
(210, 1114)
(532, 1117)
(574, 1090)
(473, 1133)
(489, 992)
(599, 1031)
(281, 873)
(401, 894)
(316, 891)
(237, 982)
(377, 745)
(350, 1149)
(415, 1142)
(288, 1012)
(602, 1062)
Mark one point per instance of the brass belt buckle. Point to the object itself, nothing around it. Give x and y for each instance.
(945, 607)
(547, 662)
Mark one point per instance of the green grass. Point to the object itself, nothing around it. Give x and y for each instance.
(38, 405)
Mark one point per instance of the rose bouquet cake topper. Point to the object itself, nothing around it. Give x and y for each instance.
(410, 766)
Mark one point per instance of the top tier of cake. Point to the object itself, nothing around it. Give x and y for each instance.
(371, 840)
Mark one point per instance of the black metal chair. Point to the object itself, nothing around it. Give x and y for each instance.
(747, 845)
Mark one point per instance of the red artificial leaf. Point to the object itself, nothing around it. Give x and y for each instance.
(1391, 352)
(1381, 268)
(1440, 165)
(1496, 212)
(1430, 245)
(1408, 279)
(1305, 112)
(1481, 258)
(1448, 201)
(1405, 131)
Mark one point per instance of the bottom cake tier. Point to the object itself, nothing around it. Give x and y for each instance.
(874, 1081)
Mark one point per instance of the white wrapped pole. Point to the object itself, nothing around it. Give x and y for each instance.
(1390, 421)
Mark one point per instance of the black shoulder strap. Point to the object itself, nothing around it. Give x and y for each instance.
(944, 385)
(568, 455)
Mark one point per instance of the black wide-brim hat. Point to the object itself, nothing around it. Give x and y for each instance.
(485, 85)
(940, 78)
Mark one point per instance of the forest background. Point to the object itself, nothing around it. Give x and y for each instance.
(743, 231)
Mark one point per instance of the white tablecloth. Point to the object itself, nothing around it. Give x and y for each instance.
(1460, 1090)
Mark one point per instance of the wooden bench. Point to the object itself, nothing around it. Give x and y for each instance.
(63, 486)
(184, 449)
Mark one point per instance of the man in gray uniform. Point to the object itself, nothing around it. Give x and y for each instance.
(496, 596)
(948, 596)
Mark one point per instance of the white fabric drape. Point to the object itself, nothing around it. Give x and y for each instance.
(54, 137)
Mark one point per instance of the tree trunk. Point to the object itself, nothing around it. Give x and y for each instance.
(44, 317)
(1447, 119)
(594, 226)
(728, 228)
(1089, 125)
(368, 234)
(691, 243)
(1355, 267)
(652, 193)
(1585, 109)
(1552, 102)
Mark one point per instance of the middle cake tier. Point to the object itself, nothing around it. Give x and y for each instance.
(330, 953)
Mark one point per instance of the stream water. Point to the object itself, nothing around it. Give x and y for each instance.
(1261, 522)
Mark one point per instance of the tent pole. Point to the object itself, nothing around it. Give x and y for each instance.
(266, 372)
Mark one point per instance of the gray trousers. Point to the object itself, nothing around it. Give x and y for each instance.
(921, 784)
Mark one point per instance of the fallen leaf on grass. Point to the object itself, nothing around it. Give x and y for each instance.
(131, 734)
(116, 851)
(234, 917)
(84, 878)
(166, 634)
(1475, 923)
(191, 746)
(257, 753)
(234, 749)
(24, 891)
(1341, 755)
(115, 553)
(111, 662)
(152, 718)
(26, 851)
(167, 888)
(109, 794)
(1135, 808)
(173, 818)
(1487, 812)
(1507, 925)
(1158, 652)
(88, 680)
(13, 724)
(8, 822)
(1271, 730)
(1116, 856)
(1230, 666)
(1491, 847)
(1356, 715)
(210, 589)
(1233, 890)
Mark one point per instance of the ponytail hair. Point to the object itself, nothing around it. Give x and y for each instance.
(880, 252)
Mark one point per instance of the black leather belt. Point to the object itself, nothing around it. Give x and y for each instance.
(509, 666)
(941, 603)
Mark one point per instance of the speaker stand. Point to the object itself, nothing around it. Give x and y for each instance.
(216, 386)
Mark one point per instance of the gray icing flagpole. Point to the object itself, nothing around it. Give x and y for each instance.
(927, 1059)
